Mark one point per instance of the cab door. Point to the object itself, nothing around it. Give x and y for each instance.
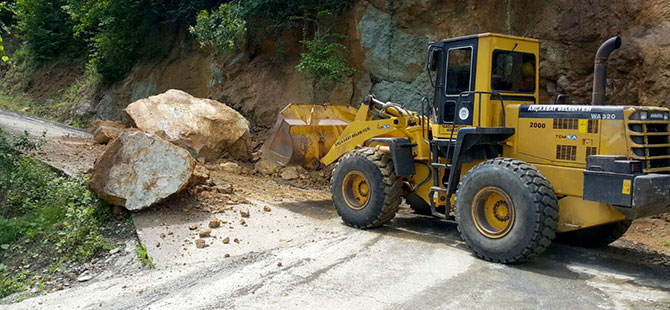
(459, 76)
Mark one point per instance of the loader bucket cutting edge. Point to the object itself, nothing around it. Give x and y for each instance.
(304, 133)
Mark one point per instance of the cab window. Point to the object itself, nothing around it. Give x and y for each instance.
(513, 72)
(459, 66)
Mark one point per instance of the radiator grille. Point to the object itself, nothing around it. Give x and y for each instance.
(591, 150)
(592, 126)
(566, 152)
(651, 144)
(566, 123)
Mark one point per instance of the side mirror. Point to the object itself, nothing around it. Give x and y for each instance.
(433, 59)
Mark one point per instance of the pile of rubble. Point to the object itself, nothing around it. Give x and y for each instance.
(156, 158)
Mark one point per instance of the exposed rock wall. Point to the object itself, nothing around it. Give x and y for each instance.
(386, 42)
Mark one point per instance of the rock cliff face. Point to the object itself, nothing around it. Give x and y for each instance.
(386, 42)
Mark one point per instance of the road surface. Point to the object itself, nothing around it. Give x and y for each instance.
(300, 255)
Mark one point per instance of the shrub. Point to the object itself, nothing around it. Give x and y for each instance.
(223, 29)
(41, 207)
(322, 62)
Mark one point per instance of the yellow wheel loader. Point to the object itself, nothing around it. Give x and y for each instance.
(511, 172)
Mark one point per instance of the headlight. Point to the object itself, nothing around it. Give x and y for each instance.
(464, 113)
(643, 115)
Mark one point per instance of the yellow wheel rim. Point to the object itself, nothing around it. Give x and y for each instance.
(493, 212)
(356, 190)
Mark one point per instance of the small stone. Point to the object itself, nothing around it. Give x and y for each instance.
(84, 277)
(226, 240)
(267, 209)
(231, 168)
(158, 244)
(243, 222)
(162, 236)
(200, 243)
(290, 173)
(114, 251)
(266, 167)
(244, 257)
(236, 240)
(59, 287)
(279, 264)
(205, 233)
(193, 227)
(202, 160)
(244, 213)
(227, 255)
(215, 223)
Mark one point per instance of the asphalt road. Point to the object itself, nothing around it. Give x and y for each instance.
(301, 256)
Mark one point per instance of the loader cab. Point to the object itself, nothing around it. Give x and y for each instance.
(492, 63)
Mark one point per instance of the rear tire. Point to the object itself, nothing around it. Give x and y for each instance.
(597, 236)
(506, 211)
(366, 191)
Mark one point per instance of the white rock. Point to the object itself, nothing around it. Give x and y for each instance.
(138, 170)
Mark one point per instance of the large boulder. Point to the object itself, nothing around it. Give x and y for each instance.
(206, 128)
(139, 169)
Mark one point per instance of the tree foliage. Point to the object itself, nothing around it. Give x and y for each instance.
(47, 29)
(222, 29)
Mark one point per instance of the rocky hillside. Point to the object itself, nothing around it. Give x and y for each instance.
(386, 42)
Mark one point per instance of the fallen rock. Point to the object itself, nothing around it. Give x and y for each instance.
(290, 173)
(205, 233)
(200, 243)
(267, 209)
(214, 224)
(266, 167)
(206, 128)
(105, 131)
(226, 240)
(244, 213)
(193, 227)
(139, 170)
(232, 168)
(84, 277)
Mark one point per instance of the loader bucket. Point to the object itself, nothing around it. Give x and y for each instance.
(304, 133)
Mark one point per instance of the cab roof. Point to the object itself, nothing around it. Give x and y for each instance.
(490, 34)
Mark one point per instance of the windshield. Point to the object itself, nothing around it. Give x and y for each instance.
(513, 72)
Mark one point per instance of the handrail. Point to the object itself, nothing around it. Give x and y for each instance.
(479, 105)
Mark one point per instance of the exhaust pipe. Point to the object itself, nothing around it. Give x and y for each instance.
(600, 69)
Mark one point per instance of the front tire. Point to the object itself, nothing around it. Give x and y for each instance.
(597, 236)
(366, 191)
(506, 211)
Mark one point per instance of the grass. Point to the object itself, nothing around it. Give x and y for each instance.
(666, 243)
(46, 219)
(62, 103)
(143, 256)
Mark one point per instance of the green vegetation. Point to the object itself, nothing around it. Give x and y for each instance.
(143, 256)
(46, 218)
(322, 62)
(112, 34)
(666, 243)
(223, 29)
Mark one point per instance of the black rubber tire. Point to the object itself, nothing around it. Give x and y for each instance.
(535, 207)
(417, 204)
(597, 236)
(385, 188)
